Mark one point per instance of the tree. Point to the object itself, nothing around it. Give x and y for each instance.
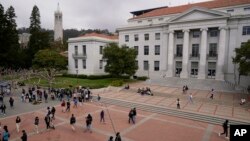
(39, 39)
(120, 60)
(242, 58)
(49, 63)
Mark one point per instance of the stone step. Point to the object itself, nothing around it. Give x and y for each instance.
(172, 112)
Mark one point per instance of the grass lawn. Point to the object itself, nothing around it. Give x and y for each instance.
(64, 82)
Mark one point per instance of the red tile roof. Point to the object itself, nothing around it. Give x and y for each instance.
(182, 8)
(112, 37)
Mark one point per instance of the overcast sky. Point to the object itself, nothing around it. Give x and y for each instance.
(85, 14)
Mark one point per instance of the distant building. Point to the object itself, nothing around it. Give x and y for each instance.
(58, 25)
(24, 39)
(85, 53)
(188, 41)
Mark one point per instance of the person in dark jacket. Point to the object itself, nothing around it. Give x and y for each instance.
(36, 124)
(102, 116)
(89, 122)
(11, 101)
(24, 136)
(118, 137)
(47, 121)
(225, 129)
(72, 122)
(53, 111)
(130, 116)
(18, 122)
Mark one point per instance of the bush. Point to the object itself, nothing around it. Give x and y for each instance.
(82, 76)
(98, 76)
(117, 83)
(143, 78)
(94, 77)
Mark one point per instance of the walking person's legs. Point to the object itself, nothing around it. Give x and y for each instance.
(17, 127)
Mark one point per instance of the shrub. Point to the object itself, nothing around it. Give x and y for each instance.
(117, 83)
(82, 76)
(98, 76)
(143, 78)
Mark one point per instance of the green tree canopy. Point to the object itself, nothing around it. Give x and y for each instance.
(243, 58)
(49, 59)
(120, 60)
(35, 23)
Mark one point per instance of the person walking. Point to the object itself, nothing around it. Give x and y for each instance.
(212, 94)
(47, 121)
(99, 99)
(3, 108)
(11, 101)
(18, 122)
(75, 102)
(24, 136)
(63, 105)
(45, 94)
(53, 111)
(178, 103)
(89, 122)
(111, 138)
(6, 134)
(72, 122)
(134, 114)
(130, 115)
(118, 137)
(36, 124)
(102, 116)
(68, 106)
(190, 98)
(225, 129)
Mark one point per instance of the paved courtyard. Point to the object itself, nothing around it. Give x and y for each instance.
(149, 125)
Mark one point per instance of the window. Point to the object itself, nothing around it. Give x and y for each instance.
(247, 9)
(157, 49)
(212, 50)
(195, 50)
(136, 49)
(101, 49)
(145, 65)
(179, 50)
(146, 37)
(194, 69)
(157, 65)
(126, 38)
(179, 35)
(136, 63)
(230, 10)
(213, 33)
(150, 20)
(100, 64)
(178, 68)
(196, 34)
(76, 63)
(146, 50)
(84, 50)
(157, 36)
(136, 37)
(246, 30)
(211, 70)
(76, 50)
(84, 64)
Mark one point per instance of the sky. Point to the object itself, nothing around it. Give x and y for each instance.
(85, 14)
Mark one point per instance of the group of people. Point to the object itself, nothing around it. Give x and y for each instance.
(132, 115)
(144, 91)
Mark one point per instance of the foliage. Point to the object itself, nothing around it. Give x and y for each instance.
(80, 76)
(143, 78)
(93, 77)
(35, 23)
(243, 58)
(117, 83)
(120, 60)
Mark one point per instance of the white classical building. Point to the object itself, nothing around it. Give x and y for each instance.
(195, 40)
(85, 53)
(58, 25)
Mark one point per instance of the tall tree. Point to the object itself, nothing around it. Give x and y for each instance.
(2, 39)
(39, 39)
(120, 60)
(242, 58)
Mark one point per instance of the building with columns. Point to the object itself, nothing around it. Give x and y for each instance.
(188, 41)
(58, 26)
(85, 53)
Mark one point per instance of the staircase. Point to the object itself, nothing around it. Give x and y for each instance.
(171, 112)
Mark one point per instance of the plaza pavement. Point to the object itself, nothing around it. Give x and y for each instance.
(149, 126)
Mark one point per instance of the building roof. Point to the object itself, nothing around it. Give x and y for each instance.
(140, 12)
(182, 8)
(110, 37)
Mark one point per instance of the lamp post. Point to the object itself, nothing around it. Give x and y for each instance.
(77, 76)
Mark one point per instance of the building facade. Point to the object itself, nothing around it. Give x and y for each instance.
(24, 39)
(85, 53)
(188, 41)
(58, 25)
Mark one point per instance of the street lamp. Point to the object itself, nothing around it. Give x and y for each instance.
(77, 76)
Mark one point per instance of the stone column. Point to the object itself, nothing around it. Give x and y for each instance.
(170, 72)
(164, 52)
(221, 54)
(203, 54)
(185, 57)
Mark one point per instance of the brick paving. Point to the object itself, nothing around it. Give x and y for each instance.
(149, 126)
